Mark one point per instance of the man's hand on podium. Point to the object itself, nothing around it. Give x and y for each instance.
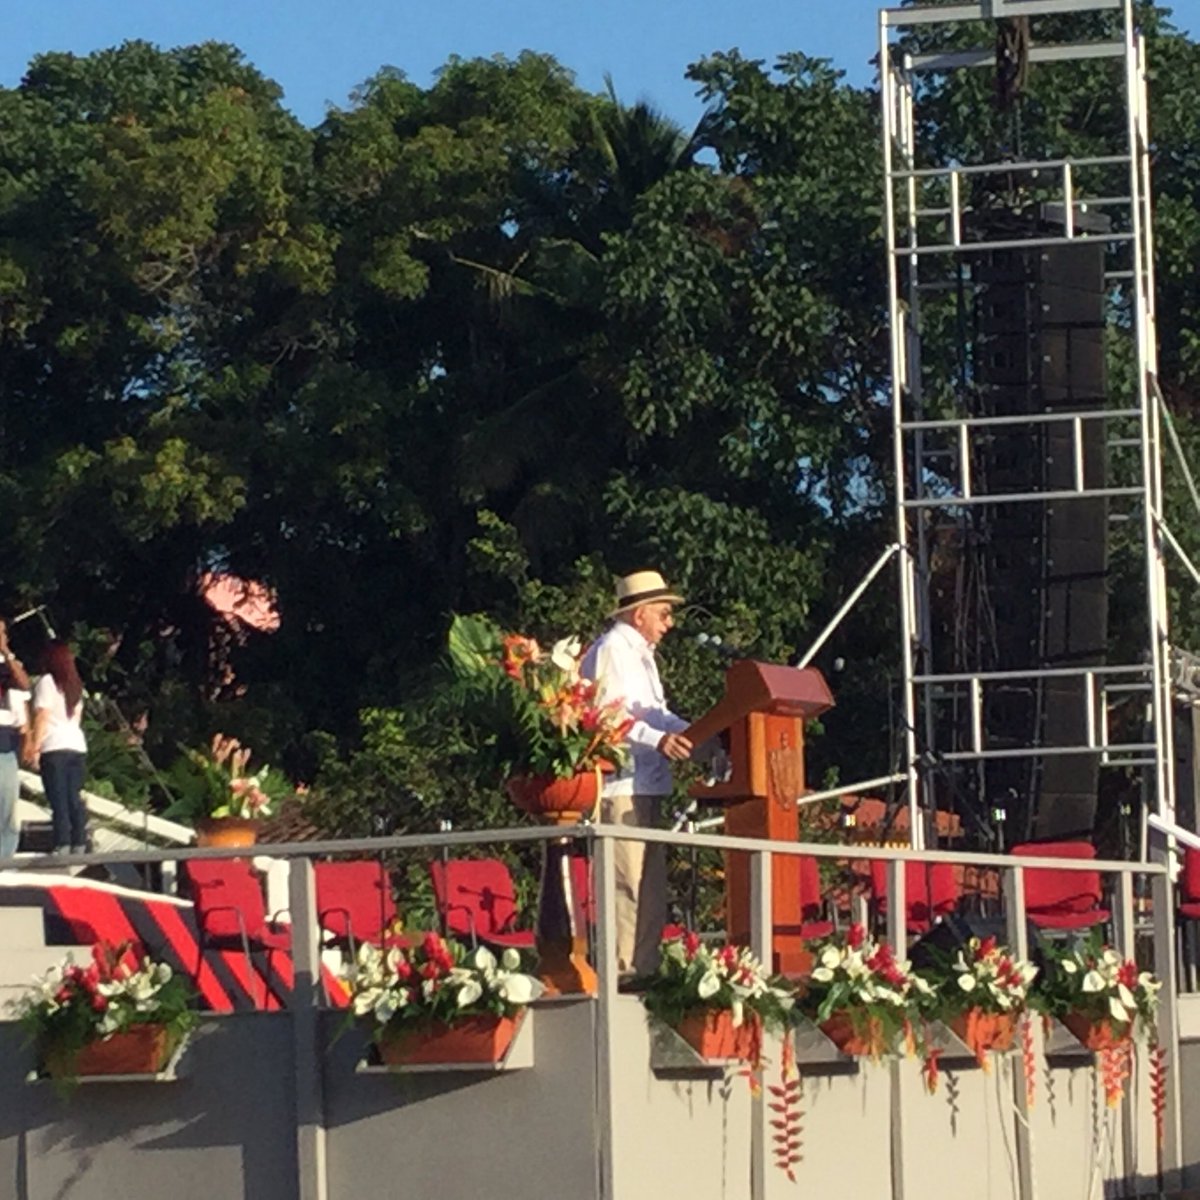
(675, 746)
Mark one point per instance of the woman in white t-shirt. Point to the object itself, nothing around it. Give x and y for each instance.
(58, 748)
(14, 700)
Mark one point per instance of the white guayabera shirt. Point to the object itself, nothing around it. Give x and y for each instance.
(622, 662)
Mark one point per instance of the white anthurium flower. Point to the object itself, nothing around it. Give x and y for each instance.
(520, 989)
(1117, 1009)
(709, 985)
(1126, 997)
(830, 957)
(483, 960)
(822, 974)
(385, 1009)
(1110, 958)
(469, 993)
(565, 653)
(966, 982)
(1147, 981)
(510, 960)
(1093, 981)
(1069, 965)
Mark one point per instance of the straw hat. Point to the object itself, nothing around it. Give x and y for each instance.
(643, 587)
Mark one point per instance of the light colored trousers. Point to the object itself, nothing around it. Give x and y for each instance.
(10, 791)
(641, 898)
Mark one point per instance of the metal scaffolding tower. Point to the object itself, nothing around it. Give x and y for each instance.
(952, 227)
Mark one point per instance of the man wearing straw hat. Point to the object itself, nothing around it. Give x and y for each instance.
(622, 661)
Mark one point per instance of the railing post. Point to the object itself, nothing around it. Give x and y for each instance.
(1163, 899)
(1017, 936)
(1125, 937)
(605, 883)
(311, 1174)
(761, 947)
(897, 936)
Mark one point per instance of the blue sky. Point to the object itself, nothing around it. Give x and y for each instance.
(318, 50)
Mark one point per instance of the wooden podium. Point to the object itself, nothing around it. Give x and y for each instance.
(762, 716)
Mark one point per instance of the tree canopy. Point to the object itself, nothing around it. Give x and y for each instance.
(472, 347)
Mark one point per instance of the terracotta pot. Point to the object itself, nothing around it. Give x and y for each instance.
(984, 1031)
(863, 1038)
(226, 831)
(142, 1050)
(1097, 1035)
(554, 801)
(712, 1034)
(471, 1040)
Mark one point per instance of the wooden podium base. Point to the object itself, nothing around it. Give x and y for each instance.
(562, 944)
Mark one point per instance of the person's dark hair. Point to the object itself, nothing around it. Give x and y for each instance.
(59, 663)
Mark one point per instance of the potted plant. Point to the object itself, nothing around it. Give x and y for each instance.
(865, 1000)
(216, 791)
(439, 1002)
(116, 1016)
(980, 992)
(718, 999)
(546, 728)
(1098, 995)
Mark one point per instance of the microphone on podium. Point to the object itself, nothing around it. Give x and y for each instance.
(717, 645)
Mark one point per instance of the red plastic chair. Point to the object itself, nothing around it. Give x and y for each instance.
(1189, 885)
(812, 902)
(477, 900)
(1062, 899)
(930, 891)
(355, 903)
(1188, 914)
(230, 910)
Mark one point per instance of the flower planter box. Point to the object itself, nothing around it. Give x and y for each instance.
(863, 1038)
(144, 1053)
(712, 1034)
(226, 831)
(982, 1032)
(1104, 1034)
(473, 1044)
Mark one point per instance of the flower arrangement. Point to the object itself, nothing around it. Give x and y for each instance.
(428, 988)
(217, 783)
(693, 977)
(1091, 984)
(981, 975)
(73, 1007)
(863, 998)
(540, 716)
(980, 991)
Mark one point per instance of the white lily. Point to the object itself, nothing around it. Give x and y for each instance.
(469, 993)
(565, 653)
(520, 989)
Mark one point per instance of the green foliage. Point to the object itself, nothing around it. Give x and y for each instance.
(475, 347)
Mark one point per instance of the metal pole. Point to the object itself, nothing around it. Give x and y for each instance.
(312, 1178)
(849, 603)
(761, 931)
(898, 331)
(1018, 941)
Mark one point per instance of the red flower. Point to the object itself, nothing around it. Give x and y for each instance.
(986, 947)
(1128, 974)
(691, 943)
(855, 936)
(99, 1003)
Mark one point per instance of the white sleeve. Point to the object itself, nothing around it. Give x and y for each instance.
(43, 692)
